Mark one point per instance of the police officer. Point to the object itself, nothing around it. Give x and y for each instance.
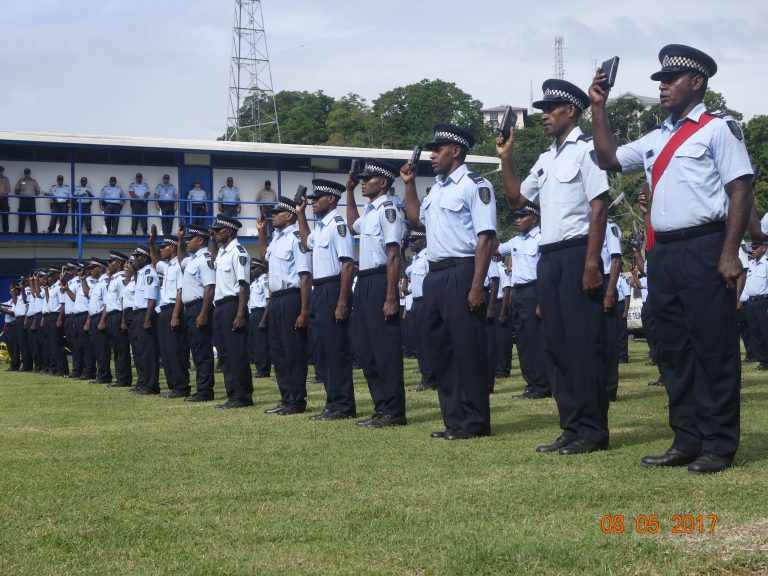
(139, 192)
(198, 204)
(167, 203)
(171, 328)
(96, 330)
(127, 324)
(34, 317)
(258, 332)
(112, 199)
(20, 308)
(60, 197)
(27, 189)
(290, 280)
(491, 293)
(376, 328)
(523, 250)
(197, 290)
(756, 306)
(5, 191)
(111, 321)
(572, 192)
(505, 336)
(82, 198)
(611, 255)
(699, 173)
(11, 340)
(230, 317)
(145, 299)
(623, 299)
(416, 272)
(459, 214)
(333, 270)
(229, 199)
(83, 364)
(54, 325)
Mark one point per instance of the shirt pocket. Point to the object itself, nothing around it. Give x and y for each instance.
(372, 225)
(570, 188)
(451, 203)
(689, 156)
(284, 253)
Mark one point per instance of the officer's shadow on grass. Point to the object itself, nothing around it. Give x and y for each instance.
(523, 424)
(753, 448)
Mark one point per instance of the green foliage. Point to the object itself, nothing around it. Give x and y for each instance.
(716, 101)
(347, 122)
(756, 138)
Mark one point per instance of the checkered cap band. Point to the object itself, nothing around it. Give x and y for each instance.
(197, 231)
(381, 170)
(684, 62)
(284, 206)
(418, 234)
(223, 223)
(327, 190)
(140, 250)
(98, 262)
(562, 94)
(171, 241)
(445, 135)
(117, 256)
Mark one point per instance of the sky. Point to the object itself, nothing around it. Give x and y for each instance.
(160, 68)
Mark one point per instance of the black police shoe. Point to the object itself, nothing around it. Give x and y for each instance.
(119, 385)
(709, 463)
(261, 375)
(460, 435)
(291, 410)
(367, 421)
(531, 395)
(198, 398)
(672, 457)
(276, 410)
(336, 415)
(175, 394)
(234, 404)
(146, 392)
(560, 442)
(387, 420)
(583, 446)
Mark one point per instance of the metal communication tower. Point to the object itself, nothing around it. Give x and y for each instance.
(252, 105)
(558, 58)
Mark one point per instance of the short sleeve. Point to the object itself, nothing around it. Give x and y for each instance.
(241, 265)
(730, 152)
(343, 244)
(613, 239)
(482, 206)
(207, 271)
(311, 239)
(505, 249)
(357, 226)
(529, 187)
(631, 155)
(162, 268)
(302, 259)
(595, 180)
(390, 231)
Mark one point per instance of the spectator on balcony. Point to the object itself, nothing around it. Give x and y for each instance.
(60, 194)
(139, 193)
(167, 200)
(112, 200)
(5, 190)
(229, 199)
(27, 189)
(82, 198)
(198, 204)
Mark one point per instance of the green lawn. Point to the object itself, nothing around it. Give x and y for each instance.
(98, 481)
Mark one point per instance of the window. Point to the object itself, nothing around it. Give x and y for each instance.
(493, 117)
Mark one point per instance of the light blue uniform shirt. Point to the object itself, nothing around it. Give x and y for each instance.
(330, 242)
(286, 259)
(141, 189)
(493, 272)
(416, 273)
(756, 283)
(171, 272)
(113, 297)
(259, 293)
(197, 196)
(505, 279)
(691, 192)
(623, 288)
(197, 273)
(98, 289)
(611, 245)
(524, 250)
(54, 297)
(233, 268)
(113, 195)
(9, 318)
(455, 211)
(81, 300)
(166, 193)
(83, 192)
(129, 292)
(147, 287)
(563, 182)
(378, 226)
(61, 194)
(229, 195)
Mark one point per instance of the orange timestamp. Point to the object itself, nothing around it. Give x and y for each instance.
(654, 524)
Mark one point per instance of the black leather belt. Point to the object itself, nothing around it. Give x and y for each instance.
(224, 300)
(569, 243)
(757, 298)
(113, 312)
(326, 280)
(524, 285)
(687, 233)
(193, 302)
(418, 298)
(286, 292)
(166, 306)
(372, 271)
(139, 309)
(128, 309)
(79, 314)
(449, 262)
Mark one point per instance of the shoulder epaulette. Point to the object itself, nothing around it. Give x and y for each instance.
(716, 113)
(338, 219)
(585, 138)
(241, 249)
(297, 234)
(476, 178)
(388, 203)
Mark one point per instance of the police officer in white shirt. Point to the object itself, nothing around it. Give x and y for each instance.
(11, 338)
(54, 327)
(376, 327)
(290, 284)
(623, 299)
(112, 319)
(145, 298)
(111, 200)
(83, 364)
(230, 317)
(611, 255)
(258, 325)
(333, 269)
(523, 249)
(139, 192)
(167, 203)
(20, 308)
(96, 331)
(699, 172)
(491, 290)
(459, 215)
(756, 307)
(229, 199)
(197, 290)
(573, 194)
(198, 204)
(171, 328)
(416, 272)
(60, 195)
(82, 199)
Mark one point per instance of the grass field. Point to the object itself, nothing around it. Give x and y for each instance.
(98, 481)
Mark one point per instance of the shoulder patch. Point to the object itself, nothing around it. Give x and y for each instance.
(585, 138)
(476, 178)
(735, 129)
(341, 229)
(593, 155)
(615, 231)
(243, 260)
(150, 279)
(390, 214)
(485, 194)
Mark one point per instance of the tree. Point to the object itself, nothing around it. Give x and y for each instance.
(406, 115)
(756, 138)
(347, 122)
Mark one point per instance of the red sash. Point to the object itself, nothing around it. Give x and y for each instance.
(688, 129)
